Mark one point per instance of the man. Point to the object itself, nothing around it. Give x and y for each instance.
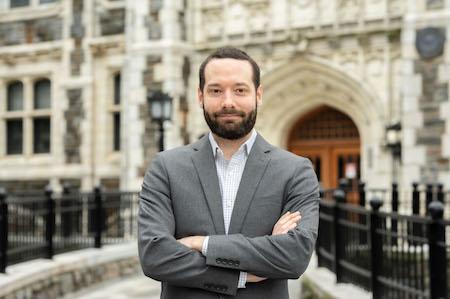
(221, 217)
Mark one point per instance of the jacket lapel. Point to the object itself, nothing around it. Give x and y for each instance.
(203, 160)
(254, 170)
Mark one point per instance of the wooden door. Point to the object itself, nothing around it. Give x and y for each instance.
(330, 140)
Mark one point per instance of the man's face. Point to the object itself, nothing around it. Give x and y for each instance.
(229, 99)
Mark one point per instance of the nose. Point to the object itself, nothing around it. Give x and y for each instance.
(228, 99)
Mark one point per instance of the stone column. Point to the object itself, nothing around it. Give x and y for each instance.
(134, 95)
(424, 96)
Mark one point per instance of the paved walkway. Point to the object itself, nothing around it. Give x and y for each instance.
(141, 287)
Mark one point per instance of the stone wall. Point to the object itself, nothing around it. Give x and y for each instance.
(31, 31)
(113, 22)
(21, 186)
(150, 137)
(184, 105)
(68, 273)
(74, 116)
(77, 33)
(153, 21)
(433, 95)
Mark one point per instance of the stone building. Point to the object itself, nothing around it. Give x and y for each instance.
(340, 77)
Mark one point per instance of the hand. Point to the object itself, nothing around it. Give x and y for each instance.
(193, 242)
(287, 222)
(254, 278)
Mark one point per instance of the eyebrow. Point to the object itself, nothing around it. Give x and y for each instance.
(242, 84)
(213, 85)
(218, 85)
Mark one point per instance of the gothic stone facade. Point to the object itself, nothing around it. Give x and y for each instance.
(381, 62)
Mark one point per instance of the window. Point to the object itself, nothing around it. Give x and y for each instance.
(42, 94)
(41, 135)
(14, 139)
(19, 3)
(31, 3)
(27, 117)
(15, 96)
(117, 131)
(117, 80)
(115, 112)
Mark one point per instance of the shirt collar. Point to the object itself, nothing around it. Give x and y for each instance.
(247, 145)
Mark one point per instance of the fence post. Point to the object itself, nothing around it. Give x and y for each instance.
(415, 199)
(3, 231)
(319, 235)
(362, 194)
(66, 216)
(339, 197)
(362, 218)
(376, 243)
(440, 193)
(415, 228)
(394, 203)
(429, 197)
(49, 221)
(437, 260)
(98, 221)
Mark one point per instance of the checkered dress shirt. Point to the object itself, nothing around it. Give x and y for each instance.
(230, 173)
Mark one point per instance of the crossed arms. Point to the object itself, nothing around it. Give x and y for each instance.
(284, 254)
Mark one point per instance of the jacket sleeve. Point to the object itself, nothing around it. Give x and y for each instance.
(280, 256)
(161, 256)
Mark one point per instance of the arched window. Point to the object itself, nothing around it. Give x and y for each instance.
(15, 96)
(27, 119)
(42, 94)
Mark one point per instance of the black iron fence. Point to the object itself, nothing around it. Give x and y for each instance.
(392, 255)
(409, 200)
(41, 224)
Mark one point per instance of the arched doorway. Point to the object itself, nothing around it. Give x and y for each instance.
(330, 139)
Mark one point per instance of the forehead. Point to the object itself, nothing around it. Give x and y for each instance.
(228, 69)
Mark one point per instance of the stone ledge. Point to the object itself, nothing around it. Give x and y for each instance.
(68, 272)
(320, 283)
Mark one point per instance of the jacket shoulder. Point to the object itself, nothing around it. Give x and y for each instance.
(280, 154)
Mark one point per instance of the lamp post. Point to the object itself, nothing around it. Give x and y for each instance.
(393, 139)
(160, 109)
(393, 143)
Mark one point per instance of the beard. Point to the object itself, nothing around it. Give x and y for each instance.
(231, 130)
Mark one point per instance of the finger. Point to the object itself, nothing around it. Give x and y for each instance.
(289, 226)
(285, 231)
(286, 217)
(292, 220)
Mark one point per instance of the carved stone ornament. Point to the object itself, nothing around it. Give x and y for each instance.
(430, 42)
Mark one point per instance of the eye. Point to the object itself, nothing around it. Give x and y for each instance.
(240, 91)
(214, 91)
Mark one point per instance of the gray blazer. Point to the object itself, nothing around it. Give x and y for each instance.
(180, 197)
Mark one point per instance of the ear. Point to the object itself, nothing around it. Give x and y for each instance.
(200, 97)
(259, 94)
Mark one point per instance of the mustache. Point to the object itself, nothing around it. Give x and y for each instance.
(230, 111)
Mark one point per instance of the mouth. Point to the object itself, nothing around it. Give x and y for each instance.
(229, 116)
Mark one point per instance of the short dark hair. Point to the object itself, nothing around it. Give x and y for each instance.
(229, 52)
